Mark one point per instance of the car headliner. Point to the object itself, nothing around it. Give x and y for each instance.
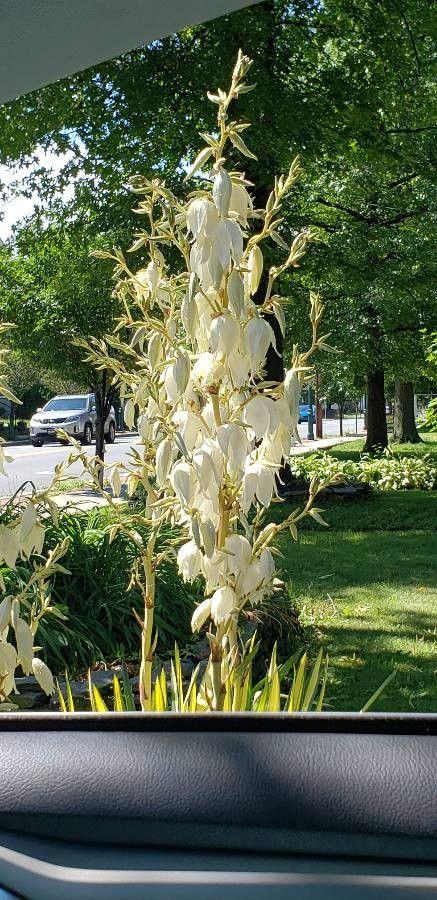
(42, 41)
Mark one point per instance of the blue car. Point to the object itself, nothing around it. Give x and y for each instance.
(304, 409)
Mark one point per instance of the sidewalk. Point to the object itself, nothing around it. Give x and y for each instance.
(85, 499)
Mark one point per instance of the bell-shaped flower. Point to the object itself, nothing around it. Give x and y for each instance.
(241, 203)
(201, 614)
(164, 459)
(205, 469)
(189, 561)
(183, 481)
(43, 676)
(235, 292)
(235, 238)
(189, 427)
(267, 566)
(24, 640)
(238, 554)
(8, 663)
(259, 482)
(222, 191)
(212, 570)
(239, 368)
(207, 370)
(233, 443)
(176, 376)
(223, 604)
(5, 613)
(225, 334)
(250, 579)
(207, 533)
(258, 335)
(255, 268)
(257, 415)
(202, 217)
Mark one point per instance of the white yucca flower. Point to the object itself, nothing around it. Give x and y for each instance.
(8, 664)
(261, 416)
(223, 604)
(258, 335)
(235, 292)
(207, 370)
(201, 614)
(241, 203)
(176, 376)
(222, 191)
(239, 367)
(259, 482)
(5, 613)
(189, 426)
(205, 469)
(183, 481)
(43, 676)
(202, 217)
(212, 570)
(225, 334)
(233, 443)
(33, 542)
(164, 459)
(24, 639)
(189, 561)
(207, 533)
(255, 268)
(238, 554)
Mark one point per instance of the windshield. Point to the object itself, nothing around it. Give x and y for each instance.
(64, 403)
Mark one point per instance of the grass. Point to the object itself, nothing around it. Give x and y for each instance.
(353, 449)
(367, 588)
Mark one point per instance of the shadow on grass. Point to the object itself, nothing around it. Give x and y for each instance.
(371, 598)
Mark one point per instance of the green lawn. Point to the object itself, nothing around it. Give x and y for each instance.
(353, 449)
(367, 588)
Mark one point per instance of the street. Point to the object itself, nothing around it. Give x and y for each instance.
(37, 464)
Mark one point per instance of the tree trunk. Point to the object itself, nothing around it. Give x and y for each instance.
(404, 426)
(376, 417)
(340, 414)
(104, 397)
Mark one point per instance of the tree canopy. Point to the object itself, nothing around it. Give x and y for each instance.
(347, 85)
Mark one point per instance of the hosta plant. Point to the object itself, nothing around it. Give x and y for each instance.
(386, 471)
(189, 353)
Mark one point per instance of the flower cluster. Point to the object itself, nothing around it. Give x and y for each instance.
(215, 433)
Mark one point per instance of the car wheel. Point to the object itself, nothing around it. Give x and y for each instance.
(110, 437)
(37, 443)
(87, 435)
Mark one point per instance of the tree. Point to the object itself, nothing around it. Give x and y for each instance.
(56, 295)
(347, 84)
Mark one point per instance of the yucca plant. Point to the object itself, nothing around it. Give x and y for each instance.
(293, 686)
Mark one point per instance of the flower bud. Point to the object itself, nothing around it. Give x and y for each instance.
(154, 349)
(255, 266)
(221, 192)
(43, 676)
(163, 460)
(235, 289)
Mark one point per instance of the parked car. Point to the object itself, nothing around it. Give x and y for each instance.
(75, 414)
(304, 409)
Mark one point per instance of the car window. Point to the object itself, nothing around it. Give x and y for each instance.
(61, 403)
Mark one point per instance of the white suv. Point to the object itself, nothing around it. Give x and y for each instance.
(75, 414)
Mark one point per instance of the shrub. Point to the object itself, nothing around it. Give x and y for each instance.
(97, 598)
(386, 471)
(428, 422)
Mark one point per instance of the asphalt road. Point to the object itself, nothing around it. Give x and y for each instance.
(37, 464)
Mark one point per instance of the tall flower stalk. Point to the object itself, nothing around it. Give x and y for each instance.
(190, 357)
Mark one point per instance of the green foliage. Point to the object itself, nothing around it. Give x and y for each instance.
(429, 420)
(97, 599)
(365, 589)
(386, 471)
(296, 685)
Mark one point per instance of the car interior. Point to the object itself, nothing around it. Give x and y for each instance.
(312, 806)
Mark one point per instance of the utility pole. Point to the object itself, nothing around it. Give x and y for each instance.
(310, 434)
(319, 409)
